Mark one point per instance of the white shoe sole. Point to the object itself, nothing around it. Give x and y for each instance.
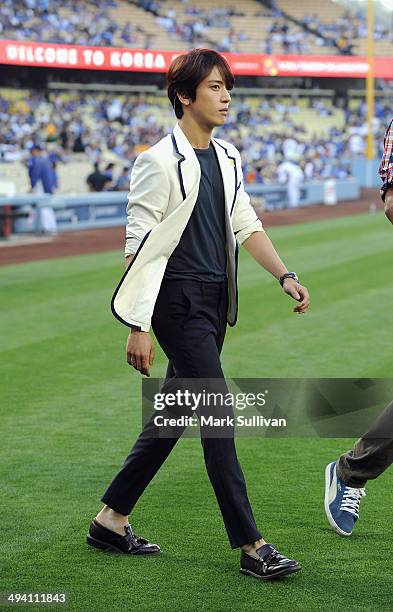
(329, 517)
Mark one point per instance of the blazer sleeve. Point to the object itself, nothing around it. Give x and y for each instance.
(244, 220)
(147, 199)
(386, 167)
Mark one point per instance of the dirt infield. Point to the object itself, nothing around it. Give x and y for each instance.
(110, 239)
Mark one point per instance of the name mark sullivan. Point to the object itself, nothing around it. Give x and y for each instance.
(211, 421)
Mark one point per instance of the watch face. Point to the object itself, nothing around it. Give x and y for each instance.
(290, 275)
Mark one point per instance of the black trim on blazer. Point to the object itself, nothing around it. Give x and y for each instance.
(237, 290)
(183, 191)
(121, 282)
(146, 236)
(237, 187)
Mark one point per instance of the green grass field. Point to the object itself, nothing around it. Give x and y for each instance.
(71, 409)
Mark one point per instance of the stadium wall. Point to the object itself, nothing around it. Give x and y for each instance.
(359, 172)
(90, 211)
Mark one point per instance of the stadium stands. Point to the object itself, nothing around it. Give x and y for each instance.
(347, 28)
(245, 27)
(93, 22)
(236, 27)
(83, 128)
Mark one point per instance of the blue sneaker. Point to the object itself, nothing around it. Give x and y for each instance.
(341, 502)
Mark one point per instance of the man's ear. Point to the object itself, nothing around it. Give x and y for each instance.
(184, 99)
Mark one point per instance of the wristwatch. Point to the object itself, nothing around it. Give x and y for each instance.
(288, 275)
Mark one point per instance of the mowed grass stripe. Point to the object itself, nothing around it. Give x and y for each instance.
(313, 250)
(329, 342)
(62, 267)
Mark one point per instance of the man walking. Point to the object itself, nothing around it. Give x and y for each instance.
(346, 478)
(187, 212)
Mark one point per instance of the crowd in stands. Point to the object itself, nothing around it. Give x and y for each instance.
(297, 38)
(340, 33)
(322, 155)
(196, 22)
(63, 21)
(92, 22)
(267, 131)
(293, 40)
(351, 27)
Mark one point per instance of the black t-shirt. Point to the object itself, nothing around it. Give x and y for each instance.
(201, 252)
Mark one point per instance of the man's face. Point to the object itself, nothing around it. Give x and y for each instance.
(212, 100)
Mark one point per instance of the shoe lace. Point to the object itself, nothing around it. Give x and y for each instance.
(132, 539)
(273, 557)
(351, 500)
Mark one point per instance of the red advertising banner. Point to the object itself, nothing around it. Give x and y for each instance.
(85, 58)
(145, 60)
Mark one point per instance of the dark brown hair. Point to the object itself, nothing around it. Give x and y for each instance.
(189, 69)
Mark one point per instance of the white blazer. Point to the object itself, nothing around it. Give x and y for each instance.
(163, 191)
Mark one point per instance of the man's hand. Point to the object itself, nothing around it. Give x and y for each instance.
(299, 293)
(140, 351)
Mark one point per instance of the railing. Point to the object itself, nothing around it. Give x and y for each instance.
(108, 209)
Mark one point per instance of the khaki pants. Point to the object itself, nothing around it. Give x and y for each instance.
(371, 455)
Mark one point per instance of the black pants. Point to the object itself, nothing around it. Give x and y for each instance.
(189, 322)
(372, 453)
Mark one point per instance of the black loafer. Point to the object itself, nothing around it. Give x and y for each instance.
(129, 544)
(270, 565)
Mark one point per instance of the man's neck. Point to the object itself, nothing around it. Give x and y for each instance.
(198, 136)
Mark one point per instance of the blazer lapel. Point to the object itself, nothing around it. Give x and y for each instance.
(190, 172)
(229, 174)
(188, 166)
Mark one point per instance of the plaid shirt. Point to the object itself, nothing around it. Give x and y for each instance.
(386, 167)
